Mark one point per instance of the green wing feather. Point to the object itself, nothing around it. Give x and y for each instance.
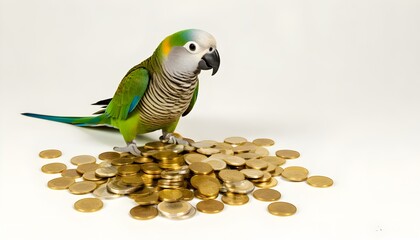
(193, 100)
(129, 93)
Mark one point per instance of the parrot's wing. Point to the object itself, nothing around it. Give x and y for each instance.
(129, 93)
(193, 100)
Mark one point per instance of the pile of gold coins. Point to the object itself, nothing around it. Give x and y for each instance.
(166, 177)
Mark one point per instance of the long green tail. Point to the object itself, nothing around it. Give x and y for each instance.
(78, 121)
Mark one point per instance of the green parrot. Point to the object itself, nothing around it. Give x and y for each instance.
(154, 94)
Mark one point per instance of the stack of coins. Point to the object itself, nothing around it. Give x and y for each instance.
(166, 176)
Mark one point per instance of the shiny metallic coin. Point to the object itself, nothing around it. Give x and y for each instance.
(106, 172)
(190, 214)
(156, 145)
(165, 155)
(320, 181)
(295, 173)
(252, 173)
(215, 163)
(109, 156)
(170, 195)
(245, 147)
(287, 154)
(198, 180)
(265, 142)
(105, 164)
(144, 212)
(52, 168)
(274, 160)
(247, 155)
(229, 175)
(200, 168)
(261, 151)
(257, 164)
(122, 161)
(174, 209)
(223, 146)
(50, 153)
(129, 169)
(234, 160)
(151, 168)
(152, 198)
(271, 168)
(194, 157)
(235, 140)
(134, 180)
(87, 167)
(118, 187)
(187, 195)
(82, 159)
(204, 144)
(272, 183)
(82, 187)
(242, 187)
(265, 178)
(103, 193)
(235, 199)
(282, 209)
(209, 189)
(208, 151)
(60, 183)
(198, 195)
(210, 206)
(91, 176)
(277, 172)
(72, 173)
(142, 159)
(267, 195)
(88, 205)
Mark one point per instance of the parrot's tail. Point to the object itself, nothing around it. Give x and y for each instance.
(78, 121)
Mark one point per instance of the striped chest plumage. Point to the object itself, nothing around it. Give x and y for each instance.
(166, 99)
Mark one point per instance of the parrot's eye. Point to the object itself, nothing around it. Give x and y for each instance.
(210, 49)
(192, 47)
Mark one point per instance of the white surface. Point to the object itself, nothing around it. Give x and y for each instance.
(336, 80)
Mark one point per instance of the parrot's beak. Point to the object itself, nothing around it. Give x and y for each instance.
(209, 61)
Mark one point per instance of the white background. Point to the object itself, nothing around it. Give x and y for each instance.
(336, 80)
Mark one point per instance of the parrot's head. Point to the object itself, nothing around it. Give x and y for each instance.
(189, 52)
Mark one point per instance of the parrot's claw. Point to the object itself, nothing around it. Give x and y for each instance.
(170, 138)
(131, 148)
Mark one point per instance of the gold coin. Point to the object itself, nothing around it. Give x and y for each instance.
(102, 192)
(277, 172)
(88, 205)
(265, 178)
(51, 168)
(209, 189)
(82, 159)
(187, 195)
(116, 186)
(142, 159)
(198, 180)
(229, 175)
(271, 168)
(208, 151)
(269, 184)
(243, 187)
(320, 181)
(165, 155)
(223, 146)
(50, 153)
(295, 173)
(82, 187)
(194, 157)
(257, 164)
(133, 179)
(144, 212)
(210, 206)
(235, 199)
(274, 160)
(87, 167)
(200, 168)
(262, 151)
(265, 142)
(282, 209)
(151, 168)
(267, 195)
(150, 199)
(235, 140)
(204, 144)
(234, 160)
(109, 156)
(70, 173)
(106, 172)
(129, 169)
(170, 195)
(91, 176)
(247, 155)
(122, 161)
(245, 147)
(60, 183)
(252, 173)
(215, 163)
(155, 145)
(198, 195)
(174, 209)
(287, 154)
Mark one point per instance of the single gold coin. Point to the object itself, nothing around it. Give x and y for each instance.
(88, 205)
(230, 175)
(82, 187)
(155, 145)
(210, 206)
(243, 187)
(235, 199)
(252, 173)
(269, 184)
(88, 167)
(200, 168)
(282, 209)
(320, 181)
(295, 173)
(235, 140)
(248, 155)
(170, 195)
(264, 142)
(143, 212)
(274, 160)
(70, 173)
(50, 153)
(204, 144)
(215, 163)
(152, 198)
(234, 160)
(245, 147)
(257, 164)
(287, 154)
(187, 195)
(208, 151)
(122, 161)
(133, 179)
(60, 183)
(129, 169)
(194, 157)
(82, 159)
(209, 189)
(109, 156)
(267, 195)
(106, 172)
(262, 151)
(151, 168)
(277, 172)
(198, 180)
(51, 168)
(91, 176)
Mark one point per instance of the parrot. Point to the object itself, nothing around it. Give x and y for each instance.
(154, 94)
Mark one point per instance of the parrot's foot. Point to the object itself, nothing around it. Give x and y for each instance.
(172, 139)
(131, 148)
